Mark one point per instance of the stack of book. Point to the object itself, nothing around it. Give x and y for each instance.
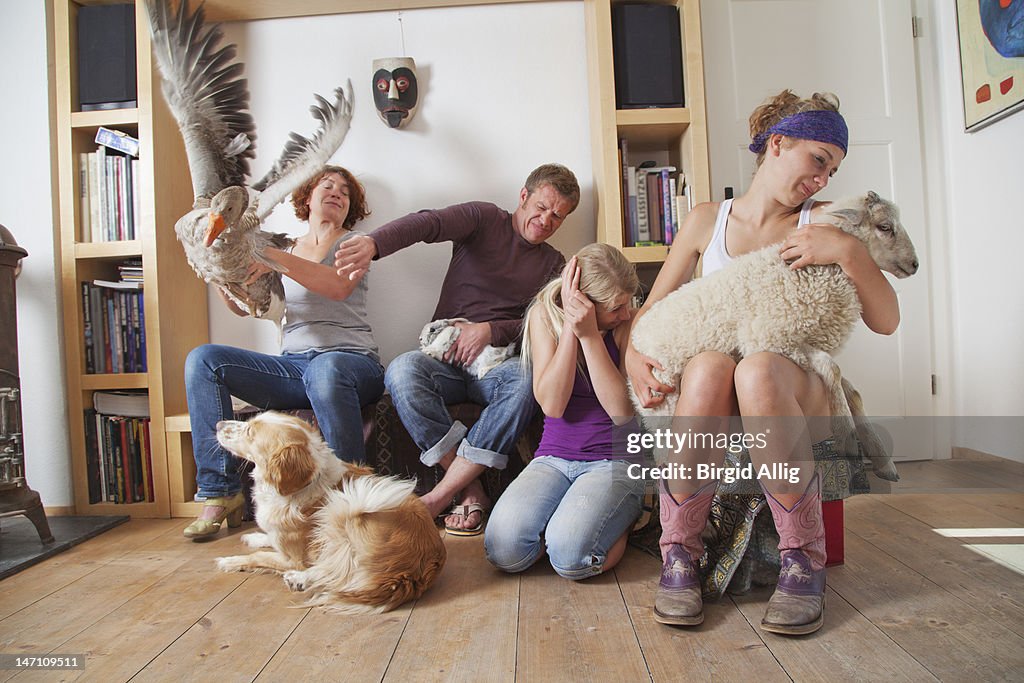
(114, 326)
(131, 271)
(119, 461)
(108, 188)
(655, 199)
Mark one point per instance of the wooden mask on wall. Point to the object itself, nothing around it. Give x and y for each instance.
(394, 90)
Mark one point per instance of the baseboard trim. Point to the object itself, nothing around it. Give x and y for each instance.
(964, 453)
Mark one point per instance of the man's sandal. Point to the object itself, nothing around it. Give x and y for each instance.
(465, 511)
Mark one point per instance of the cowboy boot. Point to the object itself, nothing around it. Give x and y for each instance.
(678, 600)
(797, 606)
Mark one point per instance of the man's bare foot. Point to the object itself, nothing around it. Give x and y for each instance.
(471, 495)
(459, 484)
(436, 502)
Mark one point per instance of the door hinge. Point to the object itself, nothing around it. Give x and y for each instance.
(915, 26)
(935, 390)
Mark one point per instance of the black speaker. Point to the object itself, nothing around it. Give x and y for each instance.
(648, 56)
(106, 57)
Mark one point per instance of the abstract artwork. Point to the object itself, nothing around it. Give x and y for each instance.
(991, 59)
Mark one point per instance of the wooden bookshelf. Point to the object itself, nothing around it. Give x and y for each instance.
(174, 299)
(679, 133)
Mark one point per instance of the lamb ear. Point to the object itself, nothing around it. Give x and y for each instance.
(873, 198)
(851, 215)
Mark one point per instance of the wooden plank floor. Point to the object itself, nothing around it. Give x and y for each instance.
(932, 589)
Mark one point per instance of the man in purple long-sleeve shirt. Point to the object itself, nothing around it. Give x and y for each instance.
(499, 261)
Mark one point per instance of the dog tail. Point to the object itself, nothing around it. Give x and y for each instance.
(377, 544)
(387, 595)
(369, 494)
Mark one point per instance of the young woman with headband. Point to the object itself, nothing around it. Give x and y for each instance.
(800, 144)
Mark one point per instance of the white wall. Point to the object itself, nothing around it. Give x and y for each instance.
(503, 89)
(26, 208)
(975, 186)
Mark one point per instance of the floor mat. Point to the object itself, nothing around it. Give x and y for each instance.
(20, 546)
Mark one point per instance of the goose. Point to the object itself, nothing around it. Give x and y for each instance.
(208, 97)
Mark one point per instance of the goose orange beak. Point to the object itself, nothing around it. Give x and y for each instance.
(216, 227)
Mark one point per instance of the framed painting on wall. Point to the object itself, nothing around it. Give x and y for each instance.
(991, 59)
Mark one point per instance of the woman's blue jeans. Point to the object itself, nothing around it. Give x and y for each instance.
(574, 509)
(421, 387)
(335, 384)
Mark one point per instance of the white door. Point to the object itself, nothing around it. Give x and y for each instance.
(863, 52)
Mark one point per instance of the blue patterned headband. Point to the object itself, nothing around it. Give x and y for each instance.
(821, 125)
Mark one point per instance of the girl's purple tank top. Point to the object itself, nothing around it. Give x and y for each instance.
(585, 431)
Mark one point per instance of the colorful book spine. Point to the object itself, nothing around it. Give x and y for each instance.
(84, 212)
(90, 360)
(666, 208)
(643, 232)
(92, 457)
(631, 206)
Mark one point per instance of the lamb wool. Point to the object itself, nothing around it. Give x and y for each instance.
(757, 303)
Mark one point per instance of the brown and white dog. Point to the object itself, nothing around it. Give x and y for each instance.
(356, 542)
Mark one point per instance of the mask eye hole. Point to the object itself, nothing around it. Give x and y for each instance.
(382, 84)
(402, 82)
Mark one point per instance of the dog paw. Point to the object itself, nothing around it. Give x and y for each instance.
(256, 539)
(295, 580)
(234, 563)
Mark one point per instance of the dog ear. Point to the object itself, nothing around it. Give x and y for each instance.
(291, 469)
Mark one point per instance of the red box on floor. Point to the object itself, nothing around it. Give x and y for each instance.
(832, 516)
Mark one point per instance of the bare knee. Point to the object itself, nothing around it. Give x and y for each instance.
(707, 385)
(767, 382)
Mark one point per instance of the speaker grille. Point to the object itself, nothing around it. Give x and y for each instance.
(648, 56)
(106, 56)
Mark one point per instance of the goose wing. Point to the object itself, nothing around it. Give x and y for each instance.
(278, 240)
(303, 157)
(204, 89)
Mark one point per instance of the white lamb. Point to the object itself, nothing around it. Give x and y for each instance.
(757, 303)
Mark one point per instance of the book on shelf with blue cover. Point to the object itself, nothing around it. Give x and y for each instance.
(119, 140)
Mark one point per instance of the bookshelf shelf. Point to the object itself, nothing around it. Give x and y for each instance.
(660, 128)
(674, 116)
(173, 298)
(178, 423)
(108, 250)
(131, 509)
(655, 254)
(107, 117)
(674, 136)
(123, 380)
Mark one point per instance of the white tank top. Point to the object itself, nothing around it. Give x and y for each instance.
(715, 256)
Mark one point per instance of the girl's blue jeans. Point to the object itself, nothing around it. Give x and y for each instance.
(575, 510)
